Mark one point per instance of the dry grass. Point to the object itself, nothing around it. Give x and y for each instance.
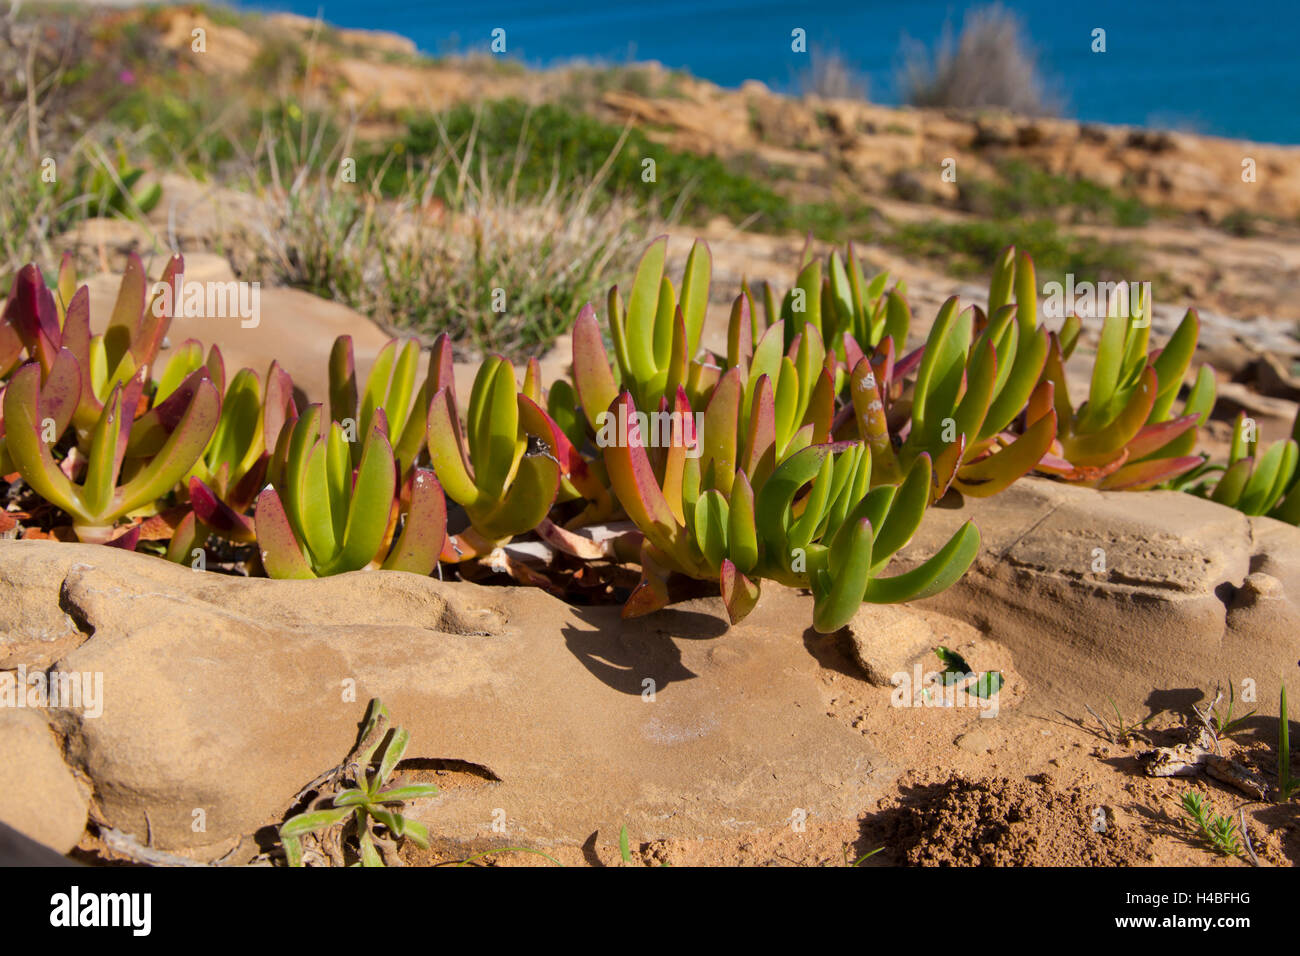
(423, 258)
(425, 265)
(830, 75)
(991, 64)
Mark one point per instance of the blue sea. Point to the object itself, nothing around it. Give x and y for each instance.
(1227, 69)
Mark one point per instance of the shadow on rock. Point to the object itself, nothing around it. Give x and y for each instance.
(625, 653)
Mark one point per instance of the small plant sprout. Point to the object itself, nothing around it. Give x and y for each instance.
(1287, 785)
(1223, 725)
(1219, 831)
(1123, 730)
(862, 859)
(360, 824)
(625, 849)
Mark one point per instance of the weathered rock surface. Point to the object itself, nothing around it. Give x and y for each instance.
(885, 639)
(1132, 592)
(35, 630)
(227, 696)
(41, 799)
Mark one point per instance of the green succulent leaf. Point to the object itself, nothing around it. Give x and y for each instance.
(931, 577)
(305, 823)
(425, 528)
(281, 555)
(837, 593)
(371, 504)
(710, 520)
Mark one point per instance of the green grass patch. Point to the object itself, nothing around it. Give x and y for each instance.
(1025, 190)
(536, 146)
(970, 249)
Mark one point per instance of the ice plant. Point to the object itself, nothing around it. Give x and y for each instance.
(132, 462)
(976, 376)
(488, 468)
(130, 341)
(849, 309)
(392, 386)
(833, 539)
(1125, 435)
(226, 479)
(1255, 483)
(655, 337)
(320, 517)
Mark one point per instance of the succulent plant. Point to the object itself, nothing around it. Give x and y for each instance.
(369, 811)
(132, 461)
(45, 324)
(319, 516)
(975, 377)
(826, 540)
(1254, 483)
(391, 387)
(1125, 436)
(505, 486)
(853, 309)
(655, 338)
(819, 443)
(225, 481)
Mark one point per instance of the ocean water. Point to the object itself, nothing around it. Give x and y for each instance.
(1197, 65)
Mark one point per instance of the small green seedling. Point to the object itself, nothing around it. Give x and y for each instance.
(955, 668)
(369, 814)
(1225, 725)
(625, 848)
(1220, 831)
(1123, 731)
(1287, 786)
(860, 860)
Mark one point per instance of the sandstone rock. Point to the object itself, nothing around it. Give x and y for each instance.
(1120, 591)
(380, 41)
(1276, 378)
(229, 50)
(782, 122)
(194, 214)
(226, 695)
(41, 798)
(35, 630)
(885, 639)
(18, 849)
